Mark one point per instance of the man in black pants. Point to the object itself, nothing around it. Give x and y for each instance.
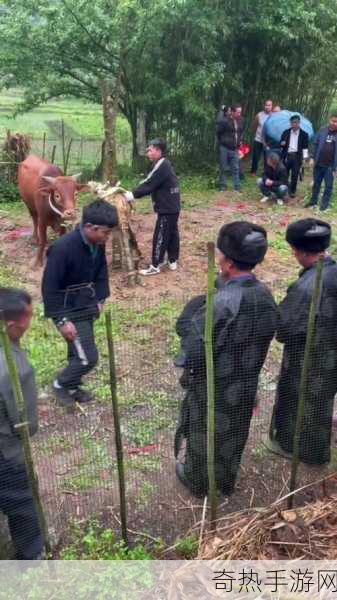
(16, 500)
(75, 285)
(294, 144)
(163, 186)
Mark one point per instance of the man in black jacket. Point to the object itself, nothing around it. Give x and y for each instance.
(275, 180)
(294, 144)
(162, 184)
(229, 132)
(75, 285)
(245, 319)
(16, 499)
(309, 240)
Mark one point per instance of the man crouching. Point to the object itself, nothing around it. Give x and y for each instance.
(75, 285)
(245, 317)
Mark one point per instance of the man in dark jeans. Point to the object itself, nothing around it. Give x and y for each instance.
(162, 184)
(75, 285)
(294, 144)
(16, 499)
(258, 123)
(229, 133)
(325, 164)
(274, 181)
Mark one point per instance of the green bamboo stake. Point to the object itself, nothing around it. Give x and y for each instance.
(307, 363)
(118, 436)
(212, 495)
(23, 430)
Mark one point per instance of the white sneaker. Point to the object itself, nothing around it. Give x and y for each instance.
(151, 270)
(264, 199)
(163, 264)
(173, 265)
(280, 202)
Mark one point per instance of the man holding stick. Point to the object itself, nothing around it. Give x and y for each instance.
(16, 499)
(245, 318)
(74, 287)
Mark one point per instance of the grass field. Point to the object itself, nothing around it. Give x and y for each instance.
(82, 120)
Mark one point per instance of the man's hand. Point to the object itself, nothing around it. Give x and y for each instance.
(129, 196)
(68, 331)
(269, 182)
(311, 162)
(100, 307)
(334, 173)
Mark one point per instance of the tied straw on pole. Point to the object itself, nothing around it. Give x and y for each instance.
(307, 363)
(118, 436)
(212, 494)
(23, 430)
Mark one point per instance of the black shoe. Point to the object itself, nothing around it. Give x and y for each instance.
(180, 473)
(63, 396)
(82, 396)
(292, 195)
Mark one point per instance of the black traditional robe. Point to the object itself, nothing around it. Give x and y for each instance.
(294, 314)
(245, 318)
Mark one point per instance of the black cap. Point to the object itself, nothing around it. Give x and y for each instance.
(243, 242)
(310, 235)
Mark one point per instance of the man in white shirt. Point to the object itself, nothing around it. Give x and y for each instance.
(258, 123)
(294, 144)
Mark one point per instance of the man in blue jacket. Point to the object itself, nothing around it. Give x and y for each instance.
(75, 285)
(325, 164)
(162, 184)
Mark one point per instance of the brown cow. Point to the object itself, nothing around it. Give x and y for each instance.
(49, 196)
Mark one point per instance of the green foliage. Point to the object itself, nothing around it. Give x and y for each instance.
(9, 192)
(187, 547)
(97, 543)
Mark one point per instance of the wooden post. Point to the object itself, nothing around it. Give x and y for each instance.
(212, 495)
(67, 156)
(53, 152)
(44, 146)
(63, 140)
(118, 437)
(23, 430)
(307, 363)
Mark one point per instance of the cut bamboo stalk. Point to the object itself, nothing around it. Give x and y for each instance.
(118, 436)
(23, 430)
(212, 494)
(307, 363)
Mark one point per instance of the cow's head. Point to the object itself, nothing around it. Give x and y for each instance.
(62, 192)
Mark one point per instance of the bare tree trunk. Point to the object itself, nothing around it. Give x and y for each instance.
(110, 94)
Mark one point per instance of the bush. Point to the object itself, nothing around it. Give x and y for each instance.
(9, 192)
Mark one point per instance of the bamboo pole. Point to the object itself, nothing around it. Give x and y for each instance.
(307, 363)
(23, 430)
(118, 437)
(210, 384)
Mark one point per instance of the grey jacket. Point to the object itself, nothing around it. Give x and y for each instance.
(10, 443)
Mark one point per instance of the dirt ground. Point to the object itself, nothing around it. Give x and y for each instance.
(157, 503)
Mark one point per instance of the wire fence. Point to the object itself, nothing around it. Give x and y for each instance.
(74, 450)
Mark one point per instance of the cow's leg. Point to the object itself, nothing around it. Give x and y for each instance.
(42, 237)
(35, 237)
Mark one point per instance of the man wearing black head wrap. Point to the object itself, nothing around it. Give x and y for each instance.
(244, 324)
(309, 238)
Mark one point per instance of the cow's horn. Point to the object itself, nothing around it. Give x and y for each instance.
(49, 179)
(76, 176)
